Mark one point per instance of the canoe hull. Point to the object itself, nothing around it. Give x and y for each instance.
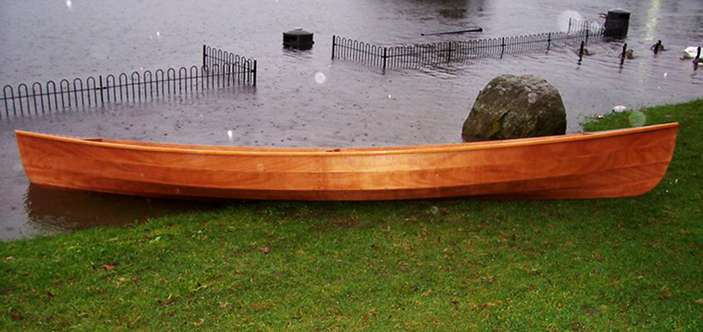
(620, 163)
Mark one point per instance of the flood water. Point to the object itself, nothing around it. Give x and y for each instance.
(305, 98)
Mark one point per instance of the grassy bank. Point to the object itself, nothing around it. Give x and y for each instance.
(433, 264)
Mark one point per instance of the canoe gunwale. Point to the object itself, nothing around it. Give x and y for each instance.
(352, 151)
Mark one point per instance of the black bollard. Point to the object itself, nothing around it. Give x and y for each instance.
(622, 56)
(298, 39)
(617, 23)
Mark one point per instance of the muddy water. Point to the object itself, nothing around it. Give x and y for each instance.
(304, 98)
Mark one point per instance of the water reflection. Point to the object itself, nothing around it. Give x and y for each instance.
(303, 97)
(456, 9)
(55, 209)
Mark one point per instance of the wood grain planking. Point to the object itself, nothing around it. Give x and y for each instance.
(546, 167)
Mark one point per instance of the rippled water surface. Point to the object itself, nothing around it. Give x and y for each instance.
(304, 98)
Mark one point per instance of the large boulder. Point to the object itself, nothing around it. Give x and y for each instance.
(514, 107)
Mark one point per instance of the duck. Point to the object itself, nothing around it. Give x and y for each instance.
(630, 54)
(658, 47)
(689, 53)
(586, 52)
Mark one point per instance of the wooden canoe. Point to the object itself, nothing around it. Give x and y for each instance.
(617, 163)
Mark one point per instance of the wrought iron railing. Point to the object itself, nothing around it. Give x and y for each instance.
(429, 54)
(96, 91)
(215, 56)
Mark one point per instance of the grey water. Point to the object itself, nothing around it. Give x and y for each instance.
(304, 98)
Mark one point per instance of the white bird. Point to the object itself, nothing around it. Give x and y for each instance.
(690, 52)
(619, 108)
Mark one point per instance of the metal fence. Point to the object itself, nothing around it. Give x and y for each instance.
(215, 56)
(51, 97)
(430, 54)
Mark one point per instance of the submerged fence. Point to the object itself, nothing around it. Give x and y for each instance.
(215, 56)
(429, 54)
(51, 97)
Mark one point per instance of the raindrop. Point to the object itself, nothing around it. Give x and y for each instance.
(158, 34)
(637, 119)
(434, 210)
(666, 74)
(69, 4)
(320, 78)
(230, 136)
(389, 96)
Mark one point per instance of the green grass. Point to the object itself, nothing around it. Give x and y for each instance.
(461, 264)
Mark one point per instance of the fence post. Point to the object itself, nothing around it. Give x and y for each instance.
(449, 54)
(502, 47)
(385, 56)
(254, 82)
(569, 30)
(587, 30)
(333, 44)
(102, 101)
(204, 54)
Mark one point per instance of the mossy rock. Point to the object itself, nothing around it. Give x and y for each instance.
(515, 107)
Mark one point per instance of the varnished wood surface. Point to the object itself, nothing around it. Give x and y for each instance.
(615, 163)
